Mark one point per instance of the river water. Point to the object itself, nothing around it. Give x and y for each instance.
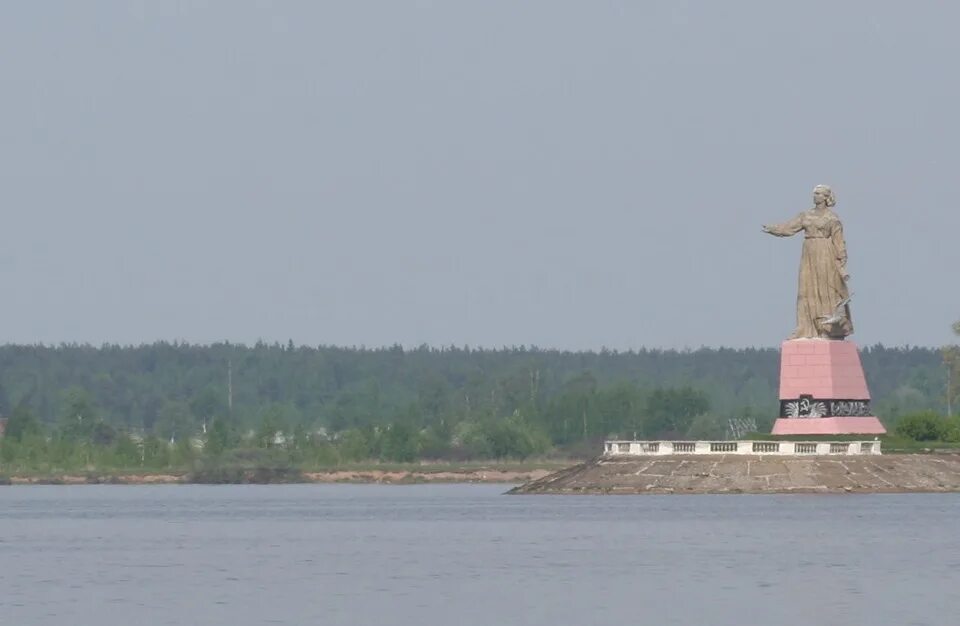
(465, 554)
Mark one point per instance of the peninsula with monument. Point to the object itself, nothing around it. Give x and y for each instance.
(799, 417)
(824, 438)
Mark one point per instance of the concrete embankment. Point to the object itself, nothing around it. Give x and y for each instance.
(895, 473)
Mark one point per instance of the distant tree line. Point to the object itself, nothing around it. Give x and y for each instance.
(165, 403)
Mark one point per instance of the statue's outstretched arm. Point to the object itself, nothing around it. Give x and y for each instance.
(786, 229)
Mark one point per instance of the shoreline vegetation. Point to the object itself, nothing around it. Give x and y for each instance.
(228, 413)
(373, 473)
(99, 464)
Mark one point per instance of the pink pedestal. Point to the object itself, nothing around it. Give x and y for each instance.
(823, 390)
(829, 426)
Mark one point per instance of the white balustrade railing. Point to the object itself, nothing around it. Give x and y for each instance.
(781, 448)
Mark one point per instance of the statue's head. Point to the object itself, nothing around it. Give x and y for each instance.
(823, 195)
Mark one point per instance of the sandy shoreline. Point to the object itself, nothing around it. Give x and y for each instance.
(387, 477)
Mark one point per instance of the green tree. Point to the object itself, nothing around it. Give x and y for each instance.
(78, 415)
(103, 434)
(208, 403)
(511, 438)
(300, 439)
(433, 396)
(581, 392)
(4, 402)
(923, 426)
(357, 444)
(219, 437)
(325, 454)
(22, 423)
(670, 412)
(126, 452)
(620, 409)
(400, 443)
(175, 421)
(951, 361)
(271, 424)
(155, 452)
(706, 426)
(182, 452)
(435, 441)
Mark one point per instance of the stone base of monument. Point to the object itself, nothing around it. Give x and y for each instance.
(756, 473)
(823, 390)
(868, 425)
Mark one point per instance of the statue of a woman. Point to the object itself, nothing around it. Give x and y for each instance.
(823, 309)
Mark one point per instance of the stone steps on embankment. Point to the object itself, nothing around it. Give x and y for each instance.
(678, 474)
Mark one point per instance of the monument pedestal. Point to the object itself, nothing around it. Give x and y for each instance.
(823, 390)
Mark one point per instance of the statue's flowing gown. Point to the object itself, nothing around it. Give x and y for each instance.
(822, 265)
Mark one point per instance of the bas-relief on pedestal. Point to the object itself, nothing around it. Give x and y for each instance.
(823, 390)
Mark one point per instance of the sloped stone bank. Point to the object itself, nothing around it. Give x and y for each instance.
(893, 473)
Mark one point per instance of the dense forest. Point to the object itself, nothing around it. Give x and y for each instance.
(401, 404)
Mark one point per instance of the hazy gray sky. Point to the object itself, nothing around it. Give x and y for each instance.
(564, 174)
